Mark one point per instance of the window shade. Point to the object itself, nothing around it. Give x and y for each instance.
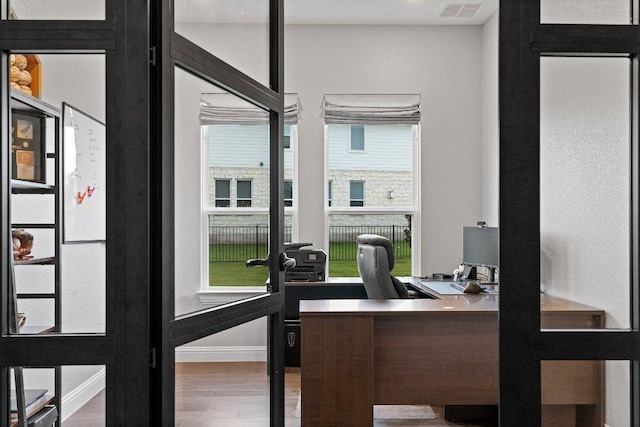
(229, 109)
(223, 189)
(244, 189)
(371, 109)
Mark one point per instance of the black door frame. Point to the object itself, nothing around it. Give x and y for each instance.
(171, 50)
(523, 40)
(123, 38)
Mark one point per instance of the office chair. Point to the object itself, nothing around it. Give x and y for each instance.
(375, 262)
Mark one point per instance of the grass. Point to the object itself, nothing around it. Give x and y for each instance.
(234, 273)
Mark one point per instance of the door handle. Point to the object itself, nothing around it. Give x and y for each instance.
(257, 262)
(286, 263)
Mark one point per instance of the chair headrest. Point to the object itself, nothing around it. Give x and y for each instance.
(376, 240)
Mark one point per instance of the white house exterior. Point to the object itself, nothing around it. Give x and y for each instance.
(381, 166)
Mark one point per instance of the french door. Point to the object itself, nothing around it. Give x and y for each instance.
(558, 113)
(117, 324)
(189, 69)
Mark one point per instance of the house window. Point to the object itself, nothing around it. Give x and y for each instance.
(330, 191)
(243, 197)
(288, 193)
(222, 193)
(287, 136)
(357, 138)
(356, 193)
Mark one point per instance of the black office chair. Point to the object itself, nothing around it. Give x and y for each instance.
(375, 262)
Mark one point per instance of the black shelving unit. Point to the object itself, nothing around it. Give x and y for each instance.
(46, 115)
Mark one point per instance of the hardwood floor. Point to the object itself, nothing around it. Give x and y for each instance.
(234, 394)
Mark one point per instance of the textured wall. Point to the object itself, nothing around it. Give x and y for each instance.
(585, 198)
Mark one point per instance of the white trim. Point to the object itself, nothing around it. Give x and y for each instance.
(416, 221)
(79, 397)
(225, 294)
(221, 354)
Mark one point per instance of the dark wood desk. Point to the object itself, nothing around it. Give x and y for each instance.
(357, 353)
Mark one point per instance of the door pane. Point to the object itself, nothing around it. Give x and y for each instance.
(57, 9)
(612, 12)
(585, 393)
(222, 380)
(51, 209)
(221, 195)
(79, 398)
(585, 183)
(236, 32)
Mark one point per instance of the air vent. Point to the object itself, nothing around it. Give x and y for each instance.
(459, 10)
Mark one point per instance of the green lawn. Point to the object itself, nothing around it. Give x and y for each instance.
(236, 274)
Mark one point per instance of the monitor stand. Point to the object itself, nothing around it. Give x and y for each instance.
(469, 272)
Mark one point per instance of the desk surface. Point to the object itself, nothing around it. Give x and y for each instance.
(468, 303)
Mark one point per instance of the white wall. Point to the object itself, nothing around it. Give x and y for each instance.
(490, 122)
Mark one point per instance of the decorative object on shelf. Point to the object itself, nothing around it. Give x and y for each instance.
(25, 74)
(22, 244)
(22, 319)
(84, 173)
(27, 146)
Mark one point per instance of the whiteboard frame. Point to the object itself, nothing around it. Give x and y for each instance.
(81, 233)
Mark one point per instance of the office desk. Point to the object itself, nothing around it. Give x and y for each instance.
(357, 353)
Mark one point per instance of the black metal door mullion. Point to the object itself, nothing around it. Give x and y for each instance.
(522, 344)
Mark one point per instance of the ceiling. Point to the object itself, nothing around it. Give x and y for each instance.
(353, 12)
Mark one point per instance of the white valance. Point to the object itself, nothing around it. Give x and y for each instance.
(371, 109)
(229, 109)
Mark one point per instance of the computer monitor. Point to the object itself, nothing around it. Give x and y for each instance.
(481, 248)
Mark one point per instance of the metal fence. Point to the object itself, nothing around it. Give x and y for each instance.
(239, 243)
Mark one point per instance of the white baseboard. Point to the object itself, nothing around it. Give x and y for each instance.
(75, 400)
(221, 354)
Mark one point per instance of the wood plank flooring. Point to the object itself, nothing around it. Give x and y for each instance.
(234, 394)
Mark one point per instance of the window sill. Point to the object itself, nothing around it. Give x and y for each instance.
(219, 295)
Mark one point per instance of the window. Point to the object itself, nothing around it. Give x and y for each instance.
(243, 198)
(390, 168)
(356, 193)
(287, 136)
(357, 138)
(235, 212)
(288, 193)
(222, 193)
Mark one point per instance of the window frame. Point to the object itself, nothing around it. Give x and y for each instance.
(364, 139)
(216, 295)
(414, 211)
(239, 199)
(353, 201)
(216, 199)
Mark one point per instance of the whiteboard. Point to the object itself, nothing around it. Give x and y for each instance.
(84, 176)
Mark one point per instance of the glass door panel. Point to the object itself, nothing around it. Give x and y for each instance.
(222, 379)
(585, 392)
(585, 187)
(222, 195)
(57, 9)
(236, 32)
(610, 12)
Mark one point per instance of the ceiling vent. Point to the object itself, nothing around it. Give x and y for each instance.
(459, 10)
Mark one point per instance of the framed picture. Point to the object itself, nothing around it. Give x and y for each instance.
(27, 146)
(84, 178)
